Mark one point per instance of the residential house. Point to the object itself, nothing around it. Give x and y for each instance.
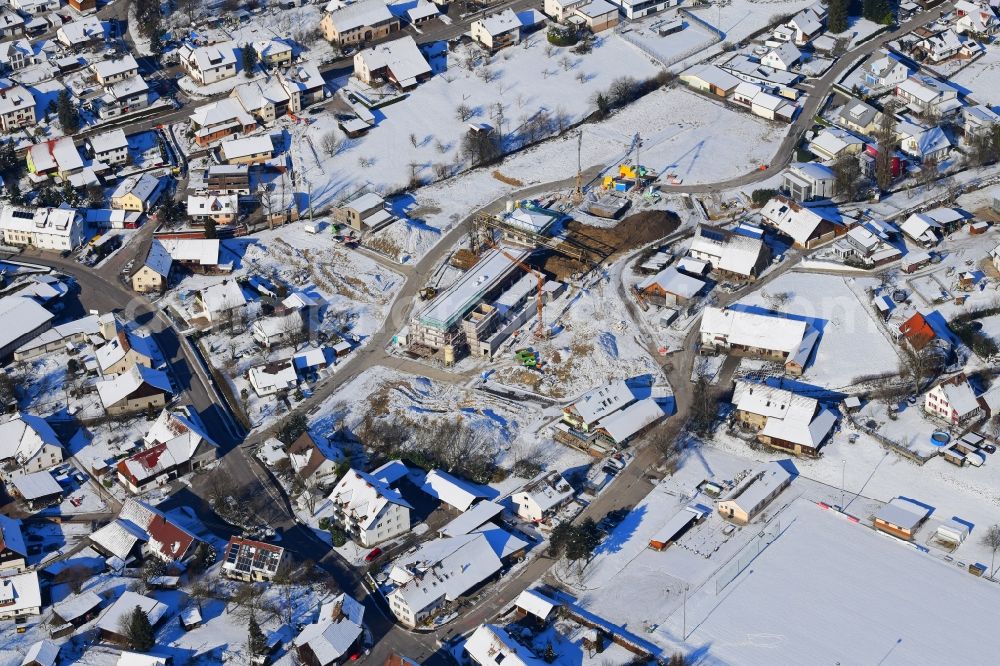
(35, 7)
(807, 25)
(17, 107)
(16, 55)
(248, 150)
(783, 57)
(139, 531)
(541, 497)
(768, 337)
(805, 181)
(110, 625)
(362, 21)
(859, 116)
(977, 120)
(37, 489)
(865, 245)
(44, 652)
(710, 79)
(11, 23)
(754, 493)
(783, 420)
(399, 62)
(364, 213)
(497, 31)
(273, 377)
(636, 9)
(597, 15)
(885, 72)
(137, 390)
(197, 255)
(125, 351)
(109, 72)
(139, 193)
(54, 158)
(20, 596)
(335, 637)
(833, 142)
(928, 95)
(926, 144)
(251, 561)
(13, 552)
(953, 400)
(917, 332)
(901, 518)
(807, 227)
(444, 570)
(422, 12)
(124, 97)
(368, 508)
(929, 227)
(732, 255)
(218, 120)
(220, 302)
(975, 18)
(221, 209)
(82, 33)
(208, 64)
(266, 99)
(490, 645)
(584, 414)
(110, 147)
(670, 287)
(25, 320)
(304, 84)
(313, 459)
(937, 46)
(278, 329)
(228, 179)
(176, 444)
(272, 52)
(56, 229)
(77, 610)
(623, 425)
(536, 605)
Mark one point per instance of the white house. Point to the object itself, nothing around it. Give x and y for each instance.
(220, 301)
(808, 180)
(731, 254)
(742, 333)
(975, 18)
(399, 62)
(542, 496)
(783, 57)
(833, 142)
(20, 595)
(209, 64)
(113, 71)
(885, 72)
(273, 377)
(109, 147)
(335, 634)
(490, 645)
(368, 508)
(940, 46)
(497, 31)
(807, 227)
(56, 229)
(28, 444)
(925, 94)
(953, 400)
(782, 419)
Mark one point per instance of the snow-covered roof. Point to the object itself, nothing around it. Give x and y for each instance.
(547, 491)
(364, 496)
(21, 317)
(143, 187)
(207, 58)
(535, 220)
(758, 489)
(731, 252)
(10, 536)
(125, 603)
(536, 603)
(750, 329)
(489, 644)
(82, 30)
(42, 653)
(248, 557)
(903, 513)
(925, 88)
(221, 112)
(447, 567)
(114, 390)
(921, 227)
(127, 658)
(809, 432)
(959, 395)
(339, 626)
(712, 75)
(603, 400)
(500, 23)
(792, 219)
(20, 593)
(786, 55)
(672, 281)
(472, 518)
(358, 14)
(833, 140)
(255, 95)
(37, 485)
(16, 98)
(22, 436)
(177, 428)
(77, 605)
(117, 347)
(247, 146)
(400, 56)
(453, 491)
(201, 251)
(222, 297)
(108, 141)
(624, 423)
(110, 68)
(213, 204)
(53, 221)
(422, 10)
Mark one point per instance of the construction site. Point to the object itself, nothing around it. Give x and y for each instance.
(518, 261)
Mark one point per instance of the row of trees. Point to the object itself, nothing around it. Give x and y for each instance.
(838, 13)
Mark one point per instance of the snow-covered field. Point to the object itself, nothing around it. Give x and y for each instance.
(851, 343)
(670, 48)
(981, 78)
(738, 19)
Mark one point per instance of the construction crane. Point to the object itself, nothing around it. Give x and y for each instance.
(539, 296)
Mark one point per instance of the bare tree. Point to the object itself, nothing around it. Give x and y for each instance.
(463, 112)
(331, 143)
(887, 140)
(549, 50)
(991, 539)
(565, 63)
(413, 140)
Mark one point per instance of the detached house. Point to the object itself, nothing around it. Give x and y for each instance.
(13, 552)
(123, 97)
(782, 419)
(498, 30)
(113, 71)
(82, 33)
(336, 635)
(364, 213)
(732, 255)
(808, 180)
(28, 444)
(272, 53)
(368, 508)
(139, 389)
(125, 351)
(953, 400)
(208, 64)
(925, 94)
(141, 530)
(248, 150)
(782, 58)
(938, 47)
(221, 209)
(249, 560)
(807, 227)
(885, 72)
(542, 497)
(218, 120)
(670, 287)
(177, 444)
(361, 21)
(138, 193)
(111, 147)
(17, 107)
(220, 302)
(399, 62)
(752, 495)
(975, 18)
(775, 338)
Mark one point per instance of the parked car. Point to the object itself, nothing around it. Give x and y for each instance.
(373, 554)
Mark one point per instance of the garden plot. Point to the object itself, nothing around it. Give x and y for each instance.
(670, 48)
(739, 19)
(836, 307)
(682, 134)
(980, 78)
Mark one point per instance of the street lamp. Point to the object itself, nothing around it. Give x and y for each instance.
(843, 477)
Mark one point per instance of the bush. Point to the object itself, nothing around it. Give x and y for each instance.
(761, 197)
(337, 536)
(561, 36)
(324, 523)
(527, 469)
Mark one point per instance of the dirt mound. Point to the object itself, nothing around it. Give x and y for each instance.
(607, 242)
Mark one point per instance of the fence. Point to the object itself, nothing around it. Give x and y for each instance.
(667, 62)
(749, 553)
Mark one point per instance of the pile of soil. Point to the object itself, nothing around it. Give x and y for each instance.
(607, 242)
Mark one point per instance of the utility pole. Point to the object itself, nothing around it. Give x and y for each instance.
(685, 634)
(578, 191)
(843, 482)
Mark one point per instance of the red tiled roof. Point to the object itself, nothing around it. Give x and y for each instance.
(917, 331)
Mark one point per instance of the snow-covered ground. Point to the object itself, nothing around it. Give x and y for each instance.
(738, 19)
(981, 77)
(851, 343)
